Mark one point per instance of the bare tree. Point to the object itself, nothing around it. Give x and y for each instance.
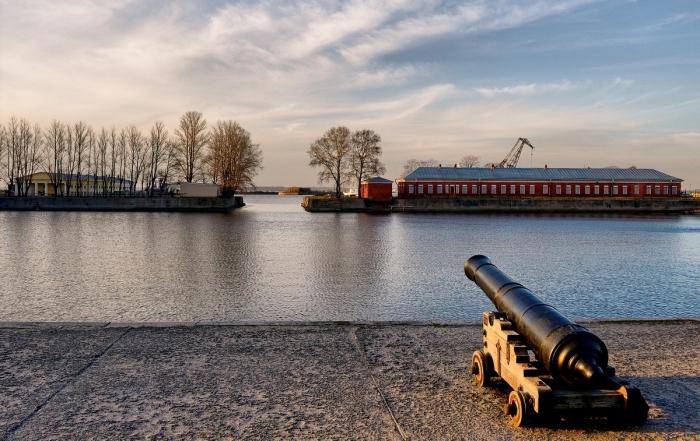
(413, 164)
(70, 163)
(136, 157)
(28, 155)
(101, 161)
(469, 161)
(3, 141)
(234, 159)
(169, 163)
(91, 148)
(55, 150)
(192, 139)
(122, 142)
(113, 158)
(364, 156)
(81, 132)
(157, 153)
(331, 153)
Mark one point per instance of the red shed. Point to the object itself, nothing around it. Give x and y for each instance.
(376, 189)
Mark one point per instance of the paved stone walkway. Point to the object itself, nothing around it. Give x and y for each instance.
(317, 381)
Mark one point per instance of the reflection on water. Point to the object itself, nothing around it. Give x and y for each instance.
(273, 261)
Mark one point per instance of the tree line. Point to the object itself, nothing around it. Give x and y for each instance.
(128, 160)
(344, 156)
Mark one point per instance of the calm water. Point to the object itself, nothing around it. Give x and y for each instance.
(273, 261)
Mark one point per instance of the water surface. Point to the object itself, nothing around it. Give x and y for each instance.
(273, 261)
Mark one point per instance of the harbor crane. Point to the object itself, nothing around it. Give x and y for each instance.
(511, 159)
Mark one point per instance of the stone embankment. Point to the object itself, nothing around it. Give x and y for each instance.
(166, 203)
(503, 205)
(309, 381)
(325, 204)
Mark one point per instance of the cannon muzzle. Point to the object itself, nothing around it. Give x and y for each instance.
(571, 353)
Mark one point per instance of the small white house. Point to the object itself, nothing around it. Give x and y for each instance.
(194, 190)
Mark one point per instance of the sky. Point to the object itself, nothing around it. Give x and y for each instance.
(590, 83)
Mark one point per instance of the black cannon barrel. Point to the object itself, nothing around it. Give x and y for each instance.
(571, 353)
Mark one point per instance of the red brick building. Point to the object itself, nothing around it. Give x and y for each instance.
(376, 189)
(538, 182)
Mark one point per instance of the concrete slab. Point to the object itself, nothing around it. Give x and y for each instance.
(328, 381)
(219, 382)
(36, 363)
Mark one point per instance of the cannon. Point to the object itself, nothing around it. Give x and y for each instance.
(555, 367)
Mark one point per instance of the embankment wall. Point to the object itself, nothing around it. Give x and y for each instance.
(670, 205)
(332, 205)
(74, 203)
(504, 205)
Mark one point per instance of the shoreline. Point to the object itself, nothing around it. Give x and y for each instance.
(121, 204)
(495, 205)
(312, 323)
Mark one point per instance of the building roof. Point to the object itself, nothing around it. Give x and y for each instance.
(539, 174)
(377, 180)
(74, 177)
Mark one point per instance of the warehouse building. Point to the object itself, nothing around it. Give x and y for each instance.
(436, 182)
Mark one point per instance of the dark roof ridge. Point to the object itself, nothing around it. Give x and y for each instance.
(544, 174)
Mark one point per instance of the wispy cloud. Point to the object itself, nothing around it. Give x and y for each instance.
(624, 82)
(526, 89)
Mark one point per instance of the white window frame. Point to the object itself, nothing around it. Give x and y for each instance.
(606, 190)
(465, 189)
(648, 190)
(674, 189)
(624, 190)
(410, 189)
(545, 189)
(568, 189)
(657, 190)
(532, 189)
(558, 189)
(615, 190)
(420, 188)
(484, 189)
(587, 189)
(636, 189)
(494, 189)
(596, 190)
(439, 189)
(522, 188)
(430, 188)
(512, 188)
(577, 189)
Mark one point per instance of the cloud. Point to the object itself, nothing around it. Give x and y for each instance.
(526, 89)
(289, 70)
(624, 82)
(462, 18)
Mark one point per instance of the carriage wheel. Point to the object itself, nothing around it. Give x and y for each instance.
(481, 369)
(518, 409)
